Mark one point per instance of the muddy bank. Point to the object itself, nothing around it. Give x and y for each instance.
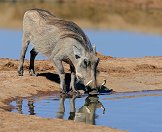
(122, 74)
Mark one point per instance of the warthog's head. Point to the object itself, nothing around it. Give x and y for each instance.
(86, 65)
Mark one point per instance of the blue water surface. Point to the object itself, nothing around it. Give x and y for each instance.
(134, 112)
(111, 43)
(126, 44)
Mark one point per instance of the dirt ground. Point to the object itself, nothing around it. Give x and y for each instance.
(122, 74)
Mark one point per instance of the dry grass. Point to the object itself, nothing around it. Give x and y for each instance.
(140, 15)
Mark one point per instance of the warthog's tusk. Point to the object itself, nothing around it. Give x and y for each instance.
(88, 82)
(103, 83)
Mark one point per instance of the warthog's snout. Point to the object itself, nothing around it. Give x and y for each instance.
(100, 88)
(79, 77)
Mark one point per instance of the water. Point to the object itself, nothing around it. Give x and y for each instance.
(111, 43)
(134, 112)
(126, 44)
(10, 45)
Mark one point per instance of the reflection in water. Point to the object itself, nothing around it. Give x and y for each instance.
(19, 104)
(131, 111)
(86, 113)
(31, 106)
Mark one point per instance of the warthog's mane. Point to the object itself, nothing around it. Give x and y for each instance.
(68, 28)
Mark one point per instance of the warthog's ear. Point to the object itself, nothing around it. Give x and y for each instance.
(94, 48)
(77, 52)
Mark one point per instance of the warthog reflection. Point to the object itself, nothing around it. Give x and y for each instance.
(84, 114)
(19, 103)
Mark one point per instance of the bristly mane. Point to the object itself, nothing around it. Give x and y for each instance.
(70, 29)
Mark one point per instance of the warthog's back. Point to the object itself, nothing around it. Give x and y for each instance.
(46, 30)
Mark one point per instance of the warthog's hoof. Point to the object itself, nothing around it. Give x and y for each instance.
(32, 73)
(62, 92)
(20, 73)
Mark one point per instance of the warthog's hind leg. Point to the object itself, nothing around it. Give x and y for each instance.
(25, 43)
(33, 54)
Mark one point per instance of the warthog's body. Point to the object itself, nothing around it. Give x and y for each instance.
(59, 40)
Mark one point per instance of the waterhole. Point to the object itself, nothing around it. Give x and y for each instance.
(131, 111)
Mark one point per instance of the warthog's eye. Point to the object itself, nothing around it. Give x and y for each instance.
(85, 63)
(77, 56)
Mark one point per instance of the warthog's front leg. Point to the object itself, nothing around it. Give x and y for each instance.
(60, 69)
(73, 77)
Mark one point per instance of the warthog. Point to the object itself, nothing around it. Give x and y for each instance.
(59, 40)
